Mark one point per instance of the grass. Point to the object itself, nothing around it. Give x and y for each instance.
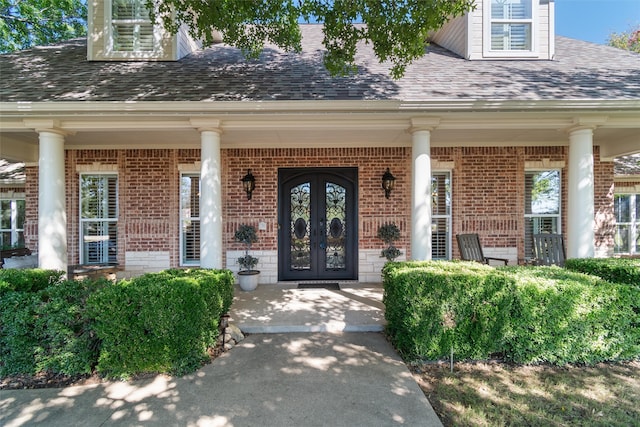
(497, 394)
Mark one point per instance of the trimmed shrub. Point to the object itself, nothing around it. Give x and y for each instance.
(528, 315)
(160, 322)
(614, 270)
(28, 280)
(433, 306)
(566, 317)
(67, 343)
(18, 339)
(47, 330)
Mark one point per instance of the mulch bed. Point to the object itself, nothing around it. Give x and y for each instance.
(50, 380)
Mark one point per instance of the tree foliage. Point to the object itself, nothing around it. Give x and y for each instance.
(629, 40)
(26, 23)
(397, 29)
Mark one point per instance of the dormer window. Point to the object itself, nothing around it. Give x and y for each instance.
(131, 31)
(509, 28)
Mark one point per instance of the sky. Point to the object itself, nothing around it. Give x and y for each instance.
(595, 20)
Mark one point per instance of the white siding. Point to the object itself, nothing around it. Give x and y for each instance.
(98, 33)
(453, 36)
(464, 35)
(186, 44)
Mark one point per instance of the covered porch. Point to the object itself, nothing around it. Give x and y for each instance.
(419, 128)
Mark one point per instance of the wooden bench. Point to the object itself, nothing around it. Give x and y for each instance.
(9, 253)
(93, 271)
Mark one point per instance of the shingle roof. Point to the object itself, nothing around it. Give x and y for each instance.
(61, 72)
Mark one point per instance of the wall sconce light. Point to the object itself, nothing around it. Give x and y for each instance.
(388, 182)
(249, 183)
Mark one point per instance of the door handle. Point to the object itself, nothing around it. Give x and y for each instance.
(323, 235)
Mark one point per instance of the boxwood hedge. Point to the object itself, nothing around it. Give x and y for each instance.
(159, 322)
(523, 314)
(614, 270)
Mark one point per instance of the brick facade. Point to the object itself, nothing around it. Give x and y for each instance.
(487, 190)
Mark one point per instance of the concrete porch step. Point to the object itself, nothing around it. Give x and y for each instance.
(281, 308)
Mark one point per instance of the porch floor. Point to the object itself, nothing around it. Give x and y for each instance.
(278, 308)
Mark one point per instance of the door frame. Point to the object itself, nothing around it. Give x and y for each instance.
(347, 174)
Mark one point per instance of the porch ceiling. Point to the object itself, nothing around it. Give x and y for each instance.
(617, 132)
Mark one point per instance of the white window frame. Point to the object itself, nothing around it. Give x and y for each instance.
(447, 217)
(184, 218)
(110, 40)
(14, 229)
(82, 220)
(558, 215)
(488, 52)
(633, 224)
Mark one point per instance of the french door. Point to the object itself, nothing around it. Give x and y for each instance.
(318, 230)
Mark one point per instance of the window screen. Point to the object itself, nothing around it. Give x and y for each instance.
(98, 219)
(627, 234)
(542, 205)
(12, 213)
(190, 218)
(131, 26)
(511, 25)
(441, 215)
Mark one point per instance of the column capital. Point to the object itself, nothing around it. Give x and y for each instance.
(423, 123)
(589, 122)
(46, 125)
(204, 124)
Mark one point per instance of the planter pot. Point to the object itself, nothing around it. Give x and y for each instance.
(248, 280)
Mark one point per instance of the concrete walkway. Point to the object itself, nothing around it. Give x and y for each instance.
(275, 379)
(356, 307)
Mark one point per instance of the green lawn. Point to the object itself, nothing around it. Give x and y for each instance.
(496, 394)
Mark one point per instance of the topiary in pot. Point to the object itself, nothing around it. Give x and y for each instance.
(389, 233)
(247, 276)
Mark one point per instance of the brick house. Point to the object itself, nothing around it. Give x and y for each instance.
(136, 143)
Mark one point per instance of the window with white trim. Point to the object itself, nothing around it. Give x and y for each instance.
(441, 215)
(98, 218)
(190, 219)
(627, 212)
(131, 28)
(542, 198)
(509, 27)
(12, 223)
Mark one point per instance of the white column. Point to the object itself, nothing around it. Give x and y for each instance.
(580, 214)
(52, 216)
(210, 200)
(421, 195)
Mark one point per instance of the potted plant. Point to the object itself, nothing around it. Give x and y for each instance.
(389, 233)
(247, 276)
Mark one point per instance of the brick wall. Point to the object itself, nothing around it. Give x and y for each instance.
(374, 209)
(487, 193)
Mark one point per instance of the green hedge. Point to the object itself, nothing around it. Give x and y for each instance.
(431, 306)
(564, 317)
(160, 322)
(27, 280)
(46, 329)
(527, 315)
(614, 270)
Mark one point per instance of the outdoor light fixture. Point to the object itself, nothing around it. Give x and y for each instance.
(388, 182)
(249, 183)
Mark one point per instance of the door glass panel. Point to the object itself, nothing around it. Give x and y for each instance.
(299, 231)
(336, 226)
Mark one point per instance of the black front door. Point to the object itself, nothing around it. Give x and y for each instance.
(318, 230)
